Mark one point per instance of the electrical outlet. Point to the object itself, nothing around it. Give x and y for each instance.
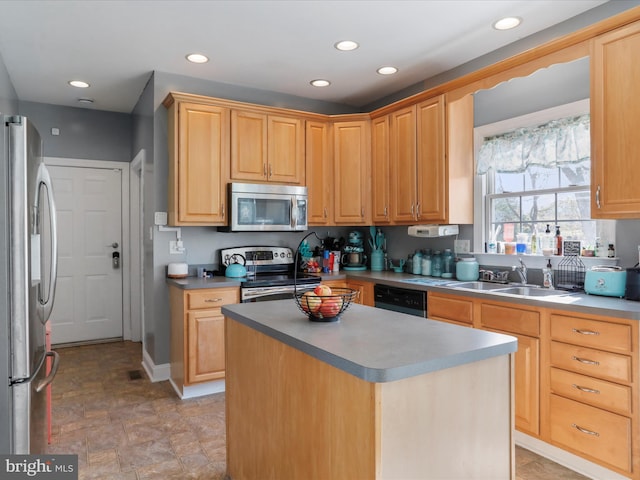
(462, 246)
(174, 248)
(160, 218)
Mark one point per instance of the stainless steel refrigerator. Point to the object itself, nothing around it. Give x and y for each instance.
(28, 260)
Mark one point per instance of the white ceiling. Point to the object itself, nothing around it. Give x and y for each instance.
(270, 45)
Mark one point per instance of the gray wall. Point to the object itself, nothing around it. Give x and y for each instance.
(84, 133)
(8, 96)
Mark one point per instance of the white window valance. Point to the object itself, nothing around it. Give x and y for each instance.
(551, 145)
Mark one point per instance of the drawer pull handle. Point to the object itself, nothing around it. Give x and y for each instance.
(213, 300)
(585, 389)
(584, 430)
(585, 332)
(586, 361)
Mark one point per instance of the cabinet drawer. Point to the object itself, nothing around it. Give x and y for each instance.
(448, 308)
(510, 319)
(593, 391)
(602, 435)
(591, 333)
(212, 298)
(595, 363)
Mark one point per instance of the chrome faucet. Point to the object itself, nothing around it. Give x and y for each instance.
(522, 271)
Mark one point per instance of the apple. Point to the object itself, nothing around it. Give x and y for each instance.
(322, 290)
(310, 302)
(331, 306)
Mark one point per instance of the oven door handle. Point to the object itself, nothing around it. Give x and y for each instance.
(257, 292)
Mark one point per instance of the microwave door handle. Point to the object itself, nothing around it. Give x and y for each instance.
(294, 213)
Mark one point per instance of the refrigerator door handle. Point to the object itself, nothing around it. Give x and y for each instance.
(54, 369)
(45, 180)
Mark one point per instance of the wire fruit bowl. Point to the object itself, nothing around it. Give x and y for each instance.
(325, 304)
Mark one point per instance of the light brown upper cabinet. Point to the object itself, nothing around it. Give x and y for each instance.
(267, 148)
(198, 162)
(352, 172)
(319, 173)
(403, 160)
(380, 170)
(615, 117)
(431, 170)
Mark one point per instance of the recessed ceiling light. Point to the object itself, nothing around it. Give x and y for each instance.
(320, 83)
(346, 45)
(78, 83)
(85, 100)
(507, 23)
(387, 70)
(197, 58)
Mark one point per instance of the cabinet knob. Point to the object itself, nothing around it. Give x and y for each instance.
(585, 361)
(585, 332)
(586, 389)
(325, 212)
(598, 196)
(212, 300)
(264, 169)
(584, 430)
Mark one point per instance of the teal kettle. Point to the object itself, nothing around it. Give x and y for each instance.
(235, 269)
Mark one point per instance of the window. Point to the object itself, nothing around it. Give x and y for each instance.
(535, 171)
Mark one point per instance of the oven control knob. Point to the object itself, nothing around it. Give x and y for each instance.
(281, 254)
(289, 255)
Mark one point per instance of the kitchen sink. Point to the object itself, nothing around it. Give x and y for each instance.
(533, 292)
(478, 285)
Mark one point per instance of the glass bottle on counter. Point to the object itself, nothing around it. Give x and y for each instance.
(447, 263)
(408, 266)
(417, 263)
(426, 263)
(436, 264)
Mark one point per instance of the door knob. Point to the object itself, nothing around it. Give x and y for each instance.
(113, 245)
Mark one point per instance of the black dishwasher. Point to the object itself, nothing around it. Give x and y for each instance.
(413, 302)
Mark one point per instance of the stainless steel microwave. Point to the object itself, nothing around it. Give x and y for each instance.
(266, 208)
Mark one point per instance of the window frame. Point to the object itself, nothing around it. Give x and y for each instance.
(484, 182)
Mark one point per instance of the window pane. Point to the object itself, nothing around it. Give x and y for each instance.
(578, 174)
(541, 178)
(573, 205)
(509, 182)
(539, 208)
(506, 209)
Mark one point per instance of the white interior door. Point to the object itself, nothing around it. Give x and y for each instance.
(88, 302)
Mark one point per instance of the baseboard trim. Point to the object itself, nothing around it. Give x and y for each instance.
(200, 390)
(156, 373)
(566, 459)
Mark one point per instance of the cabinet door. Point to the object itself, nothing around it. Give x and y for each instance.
(380, 171)
(615, 116)
(248, 146)
(404, 207)
(431, 165)
(365, 297)
(285, 140)
(319, 177)
(200, 166)
(527, 383)
(352, 173)
(205, 340)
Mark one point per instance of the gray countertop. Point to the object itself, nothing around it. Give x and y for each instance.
(373, 344)
(580, 302)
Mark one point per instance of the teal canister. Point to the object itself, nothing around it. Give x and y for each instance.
(436, 264)
(467, 270)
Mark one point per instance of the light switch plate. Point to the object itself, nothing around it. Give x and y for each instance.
(160, 218)
(462, 246)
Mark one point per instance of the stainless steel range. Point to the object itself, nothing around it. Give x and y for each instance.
(270, 273)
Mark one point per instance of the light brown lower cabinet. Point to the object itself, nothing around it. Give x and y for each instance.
(576, 375)
(197, 334)
(365, 291)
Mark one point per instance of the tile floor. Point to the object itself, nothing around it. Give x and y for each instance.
(132, 429)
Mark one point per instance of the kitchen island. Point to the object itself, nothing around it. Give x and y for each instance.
(376, 395)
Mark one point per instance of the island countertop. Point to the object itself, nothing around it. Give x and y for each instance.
(373, 344)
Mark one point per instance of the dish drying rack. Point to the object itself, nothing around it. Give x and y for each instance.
(494, 277)
(570, 274)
